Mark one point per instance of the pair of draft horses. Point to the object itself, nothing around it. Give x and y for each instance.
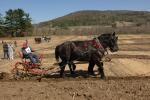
(90, 50)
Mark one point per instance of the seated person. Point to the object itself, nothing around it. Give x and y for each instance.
(27, 54)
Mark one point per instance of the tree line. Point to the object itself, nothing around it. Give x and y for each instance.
(16, 22)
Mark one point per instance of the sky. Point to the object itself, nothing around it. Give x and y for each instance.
(44, 10)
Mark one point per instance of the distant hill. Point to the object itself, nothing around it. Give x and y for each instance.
(103, 18)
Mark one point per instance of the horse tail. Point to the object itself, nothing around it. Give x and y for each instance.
(57, 53)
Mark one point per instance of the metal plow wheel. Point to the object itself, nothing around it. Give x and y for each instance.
(20, 71)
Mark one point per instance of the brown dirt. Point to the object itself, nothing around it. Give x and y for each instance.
(128, 74)
(131, 88)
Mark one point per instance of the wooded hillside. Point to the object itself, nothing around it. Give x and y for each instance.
(92, 17)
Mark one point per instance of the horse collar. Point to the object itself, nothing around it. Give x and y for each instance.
(97, 44)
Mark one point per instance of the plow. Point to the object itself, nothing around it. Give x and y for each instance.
(24, 68)
(22, 71)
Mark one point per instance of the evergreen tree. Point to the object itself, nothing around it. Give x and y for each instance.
(17, 22)
(1, 25)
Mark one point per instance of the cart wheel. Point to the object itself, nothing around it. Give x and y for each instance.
(20, 70)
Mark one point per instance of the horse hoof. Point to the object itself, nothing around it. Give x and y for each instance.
(73, 73)
(103, 78)
(91, 74)
(61, 76)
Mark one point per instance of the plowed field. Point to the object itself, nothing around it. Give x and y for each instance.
(128, 74)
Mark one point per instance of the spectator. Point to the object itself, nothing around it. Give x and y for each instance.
(5, 50)
(2, 41)
(15, 43)
(11, 51)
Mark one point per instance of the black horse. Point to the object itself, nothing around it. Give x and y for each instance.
(37, 40)
(91, 51)
(46, 39)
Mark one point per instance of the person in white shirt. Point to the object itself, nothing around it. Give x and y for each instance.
(11, 51)
(28, 54)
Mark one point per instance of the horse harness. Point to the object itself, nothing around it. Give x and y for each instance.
(93, 45)
(96, 44)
